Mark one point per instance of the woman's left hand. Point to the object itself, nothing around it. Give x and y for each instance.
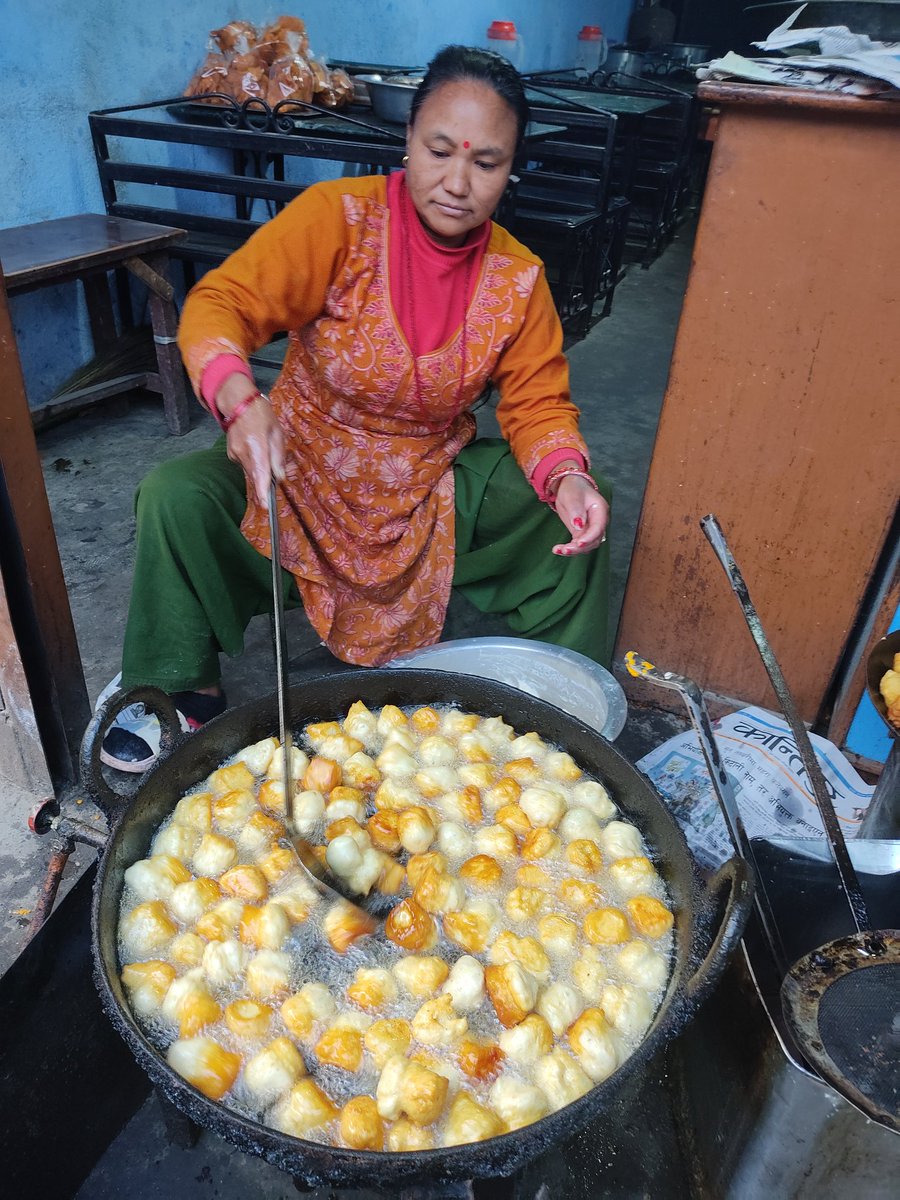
(584, 513)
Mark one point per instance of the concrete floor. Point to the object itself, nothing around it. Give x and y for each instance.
(93, 463)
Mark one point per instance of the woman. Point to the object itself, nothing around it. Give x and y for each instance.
(403, 300)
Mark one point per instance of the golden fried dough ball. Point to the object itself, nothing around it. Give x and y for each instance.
(264, 927)
(204, 1064)
(215, 854)
(156, 878)
(532, 876)
(231, 811)
(525, 903)
(147, 929)
(405, 1087)
(628, 1008)
(416, 829)
(558, 934)
(580, 893)
(639, 963)
(189, 901)
(372, 988)
(649, 916)
(594, 796)
(462, 804)
(589, 974)
(187, 950)
(473, 926)
(469, 1121)
(479, 1060)
(482, 872)
(220, 923)
(439, 893)
(408, 1136)
(312, 1005)
(561, 1079)
(383, 832)
(512, 990)
(634, 876)
(235, 778)
(258, 832)
(224, 961)
(595, 1044)
(559, 1005)
(514, 818)
(562, 766)
(421, 975)
(385, 1038)
(606, 927)
(517, 1104)
(344, 924)
(453, 840)
(304, 1108)
(541, 843)
(361, 723)
(248, 1019)
(258, 757)
(360, 771)
(189, 1005)
(177, 840)
(409, 926)
(246, 882)
(361, 1125)
(271, 1072)
(528, 1041)
(341, 1045)
(147, 984)
(437, 1024)
(195, 811)
(543, 805)
(269, 974)
(504, 791)
(497, 841)
(584, 855)
(619, 839)
(465, 984)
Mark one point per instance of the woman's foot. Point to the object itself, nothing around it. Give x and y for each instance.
(132, 741)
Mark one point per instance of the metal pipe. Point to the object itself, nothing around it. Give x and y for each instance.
(50, 886)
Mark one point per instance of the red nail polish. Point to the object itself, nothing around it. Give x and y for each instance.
(578, 523)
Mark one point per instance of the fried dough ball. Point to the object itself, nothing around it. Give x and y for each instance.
(479, 1060)
(224, 962)
(594, 796)
(391, 717)
(189, 901)
(482, 871)
(439, 893)
(497, 841)
(146, 929)
(530, 744)
(189, 1005)
(385, 1038)
(269, 974)
(277, 864)
(627, 1007)
(416, 829)
(584, 854)
(589, 974)
(649, 916)
(269, 1074)
(396, 762)
(889, 686)
(321, 775)
(246, 882)
(514, 818)
(341, 1045)
(634, 875)
(465, 984)
(409, 926)
(345, 802)
(504, 791)
(234, 778)
(299, 767)
(382, 830)
(526, 951)
(453, 840)
(405, 1087)
(528, 1041)
(304, 1108)
(436, 1023)
(544, 806)
(512, 990)
(248, 1019)
(195, 811)
(496, 730)
(360, 722)
(372, 988)
(231, 810)
(408, 1136)
(541, 843)
(360, 771)
(469, 1121)
(558, 934)
(595, 1044)
(435, 781)
(462, 804)
(259, 831)
(219, 924)
(265, 927)
(480, 775)
(156, 878)
(643, 965)
(312, 1005)
(176, 840)
(562, 766)
(473, 926)
(523, 770)
(297, 901)
(524, 903)
(475, 747)
(455, 723)
(580, 893)
(215, 854)
(344, 924)
(606, 927)
(395, 796)
(258, 757)
(421, 975)
(559, 1005)
(532, 876)
(271, 798)
(580, 824)
(561, 1079)
(211, 1069)
(517, 1104)
(619, 839)
(419, 864)
(361, 1125)
(339, 747)
(187, 950)
(147, 984)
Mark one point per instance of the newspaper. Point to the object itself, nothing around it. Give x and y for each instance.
(836, 60)
(769, 779)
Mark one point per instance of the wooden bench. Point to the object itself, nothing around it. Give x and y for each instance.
(87, 247)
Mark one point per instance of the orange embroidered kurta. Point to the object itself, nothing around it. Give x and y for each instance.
(367, 507)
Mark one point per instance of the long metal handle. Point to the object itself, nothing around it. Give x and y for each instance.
(281, 669)
(693, 699)
(846, 872)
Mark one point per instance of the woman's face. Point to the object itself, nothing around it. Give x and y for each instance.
(461, 150)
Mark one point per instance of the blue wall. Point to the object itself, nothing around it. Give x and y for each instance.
(102, 53)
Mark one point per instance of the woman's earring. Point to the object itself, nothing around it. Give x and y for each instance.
(404, 160)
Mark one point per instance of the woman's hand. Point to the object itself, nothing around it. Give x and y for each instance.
(255, 440)
(584, 513)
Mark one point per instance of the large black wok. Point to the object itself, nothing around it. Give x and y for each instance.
(709, 916)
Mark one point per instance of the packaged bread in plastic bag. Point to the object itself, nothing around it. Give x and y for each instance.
(212, 76)
(290, 30)
(237, 37)
(290, 79)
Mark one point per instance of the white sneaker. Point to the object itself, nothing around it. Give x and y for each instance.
(132, 741)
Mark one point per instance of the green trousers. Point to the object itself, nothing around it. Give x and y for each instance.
(197, 581)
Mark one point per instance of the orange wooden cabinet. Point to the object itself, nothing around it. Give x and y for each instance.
(782, 411)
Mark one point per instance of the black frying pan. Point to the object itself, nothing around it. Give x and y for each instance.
(709, 914)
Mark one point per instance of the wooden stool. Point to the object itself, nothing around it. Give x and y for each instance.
(86, 247)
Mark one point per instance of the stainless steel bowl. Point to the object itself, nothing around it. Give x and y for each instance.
(391, 98)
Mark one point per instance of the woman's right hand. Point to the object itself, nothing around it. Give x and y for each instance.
(255, 440)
